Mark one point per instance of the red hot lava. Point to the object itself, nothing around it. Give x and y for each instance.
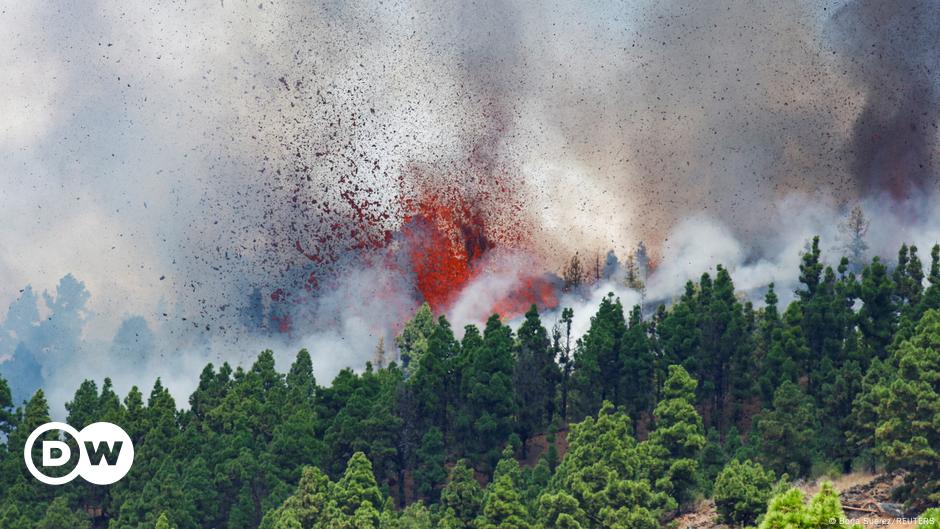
(446, 245)
(538, 290)
(443, 244)
(446, 232)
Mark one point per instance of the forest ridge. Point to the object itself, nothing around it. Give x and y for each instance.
(623, 427)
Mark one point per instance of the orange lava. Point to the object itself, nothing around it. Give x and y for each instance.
(444, 241)
(533, 290)
(446, 244)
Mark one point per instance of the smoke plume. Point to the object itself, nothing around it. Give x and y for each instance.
(234, 176)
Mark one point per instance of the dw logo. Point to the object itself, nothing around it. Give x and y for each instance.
(106, 453)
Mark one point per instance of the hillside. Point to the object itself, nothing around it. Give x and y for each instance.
(631, 424)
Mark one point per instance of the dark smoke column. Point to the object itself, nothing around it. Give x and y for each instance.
(892, 51)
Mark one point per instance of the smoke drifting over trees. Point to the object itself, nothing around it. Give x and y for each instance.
(197, 166)
(665, 231)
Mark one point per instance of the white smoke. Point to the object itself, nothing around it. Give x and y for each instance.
(584, 308)
(500, 273)
(340, 328)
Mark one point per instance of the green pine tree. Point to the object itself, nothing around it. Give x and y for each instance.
(162, 522)
(741, 492)
(787, 510)
(787, 434)
(503, 505)
(59, 515)
(606, 478)
(462, 496)
(535, 378)
(638, 366)
(679, 433)
(488, 405)
(598, 366)
(877, 318)
(430, 472)
(908, 431)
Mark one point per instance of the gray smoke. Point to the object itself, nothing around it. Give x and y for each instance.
(178, 158)
(891, 51)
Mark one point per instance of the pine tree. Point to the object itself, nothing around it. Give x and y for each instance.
(741, 492)
(908, 278)
(811, 269)
(378, 356)
(633, 279)
(312, 502)
(598, 371)
(724, 343)
(573, 274)
(854, 230)
(83, 409)
(464, 415)
(462, 497)
(535, 482)
(415, 516)
(787, 434)
(35, 414)
(931, 297)
(865, 409)
(288, 521)
(430, 472)
(134, 416)
(713, 459)
(562, 346)
(562, 510)
(296, 443)
(59, 516)
(367, 423)
(109, 404)
(638, 366)
(432, 378)
(824, 314)
(162, 522)
(357, 494)
(198, 485)
(534, 378)
(934, 276)
(877, 317)
(25, 499)
(503, 506)
(642, 259)
(835, 397)
(778, 345)
(680, 336)
(605, 479)
(787, 510)
(488, 404)
(679, 433)
(7, 417)
(413, 341)
(212, 388)
(908, 431)
(301, 384)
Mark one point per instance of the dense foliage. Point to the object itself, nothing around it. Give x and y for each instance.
(789, 511)
(741, 492)
(623, 427)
